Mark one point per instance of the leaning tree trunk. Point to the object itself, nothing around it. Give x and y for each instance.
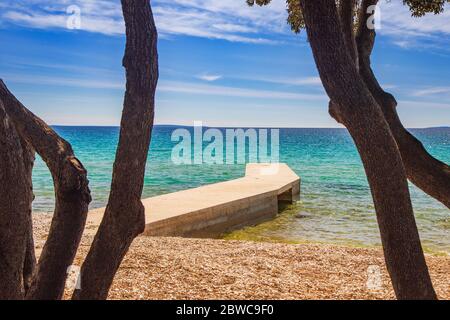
(14, 205)
(346, 15)
(124, 217)
(71, 192)
(355, 107)
(422, 169)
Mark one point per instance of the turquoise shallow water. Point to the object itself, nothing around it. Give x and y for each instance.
(335, 195)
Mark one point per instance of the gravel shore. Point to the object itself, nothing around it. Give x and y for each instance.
(178, 268)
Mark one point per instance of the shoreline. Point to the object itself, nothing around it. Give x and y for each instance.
(243, 235)
(183, 268)
(256, 234)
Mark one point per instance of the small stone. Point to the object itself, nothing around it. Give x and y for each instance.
(302, 215)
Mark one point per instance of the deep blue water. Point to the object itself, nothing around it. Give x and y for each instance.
(334, 189)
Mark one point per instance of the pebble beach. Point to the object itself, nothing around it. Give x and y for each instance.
(180, 268)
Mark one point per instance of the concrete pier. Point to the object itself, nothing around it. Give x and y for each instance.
(211, 210)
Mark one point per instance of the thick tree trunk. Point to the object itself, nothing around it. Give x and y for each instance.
(422, 169)
(14, 206)
(71, 192)
(124, 216)
(359, 112)
(346, 15)
(29, 266)
(30, 255)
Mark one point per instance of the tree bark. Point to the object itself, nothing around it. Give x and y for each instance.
(29, 266)
(346, 15)
(422, 169)
(30, 255)
(346, 12)
(71, 192)
(360, 113)
(124, 217)
(14, 215)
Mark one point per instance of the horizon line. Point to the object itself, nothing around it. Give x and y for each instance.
(230, 127)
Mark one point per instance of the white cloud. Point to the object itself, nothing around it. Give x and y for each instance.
(431, 91)
(96, 16)
(291, 81)
(204, 89)
(66, 81)
(230, 20)
(388, 86)
(405, 44)
(209, 77)
(306, 81)
(37, 20)
(429, 31)
(166, 86)
(396, 18)
(423, 104)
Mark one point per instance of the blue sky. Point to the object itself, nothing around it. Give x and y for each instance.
(221, 62)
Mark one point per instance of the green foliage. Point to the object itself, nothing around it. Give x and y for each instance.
(295, 16)
(421, 7)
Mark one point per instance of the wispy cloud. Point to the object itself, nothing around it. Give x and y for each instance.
(209, 77)
(431, 91)
(96, 16)
(225, 91)
(291, 81)
(395, 17)
(65, 81)
(405, 44)
(429, 31)
(388, 86)
(425, 105)
(166, 86)
(230, 20)
(60, 67)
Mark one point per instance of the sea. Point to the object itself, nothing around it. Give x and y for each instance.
(335, 205)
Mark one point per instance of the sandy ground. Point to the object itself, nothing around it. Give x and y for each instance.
(177, 268)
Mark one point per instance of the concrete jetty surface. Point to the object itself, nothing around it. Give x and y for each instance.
(211, 210)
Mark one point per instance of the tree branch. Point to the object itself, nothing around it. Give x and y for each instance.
(72, 198)
(422, 169)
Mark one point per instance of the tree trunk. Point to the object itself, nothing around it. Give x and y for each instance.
(14, 206)
(29, 266)
(359, 112)
(124, 217)
(346, 15)
(30, 255)
(422, 169)
(71, 192)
